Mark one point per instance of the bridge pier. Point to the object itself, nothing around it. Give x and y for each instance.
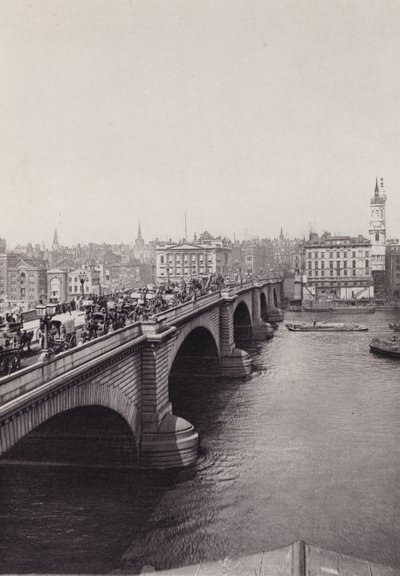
(261, 330)
(167, 441)
(235, 363)
(275, 314)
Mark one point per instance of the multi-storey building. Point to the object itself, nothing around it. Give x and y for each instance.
(338, 267)
(90, 279)
(23, 279)
(184, 261)
(392, 272)
(57, 285)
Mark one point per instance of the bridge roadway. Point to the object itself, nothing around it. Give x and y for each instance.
(128, 371)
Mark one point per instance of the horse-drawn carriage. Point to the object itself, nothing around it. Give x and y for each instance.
(10, 354)
(12, 342)
(62, 333)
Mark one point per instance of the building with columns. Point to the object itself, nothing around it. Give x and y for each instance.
(183, 261)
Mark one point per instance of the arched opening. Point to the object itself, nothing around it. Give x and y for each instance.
(55, 288)
(242, 323)
(194, 371)
(87, 436)
(263, 307)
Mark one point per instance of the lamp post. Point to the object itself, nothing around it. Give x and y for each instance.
(144, 296)
(45, 314)
(168, 276)
(82, 279)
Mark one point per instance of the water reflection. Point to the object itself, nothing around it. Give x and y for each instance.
(309, 449)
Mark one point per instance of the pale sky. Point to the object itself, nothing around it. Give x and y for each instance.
(250, 115)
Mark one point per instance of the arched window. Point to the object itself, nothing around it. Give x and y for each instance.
(377, 236)
(55, 288)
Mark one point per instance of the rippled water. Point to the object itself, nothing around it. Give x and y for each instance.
(309, 448)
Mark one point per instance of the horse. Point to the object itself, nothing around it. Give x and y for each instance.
(25, 340)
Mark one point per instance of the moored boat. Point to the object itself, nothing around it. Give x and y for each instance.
(353, 309)
(394, 326)
(385, 347)
(325, 327)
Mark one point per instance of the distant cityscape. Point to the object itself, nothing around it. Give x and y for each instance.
(322, 266)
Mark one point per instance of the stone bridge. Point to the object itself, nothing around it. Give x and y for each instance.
(128, 373)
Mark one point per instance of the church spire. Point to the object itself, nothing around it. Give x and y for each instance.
(376, 188)
(139, 234)
(55, 244)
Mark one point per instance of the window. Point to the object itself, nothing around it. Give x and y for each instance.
(367, 263)
(337, 254)
(309, 264)
(322, 255)
(354, 271)
(331, 264)
(354, 263)
(337, 264)
(344, 254)
(377, 236)
(162, 259)
(331, 272)
(345, 264)
(323, 265)
(322, 272)
(353, 254)
(367, 253)
(316, 273)
(316, 255)
(345, 272)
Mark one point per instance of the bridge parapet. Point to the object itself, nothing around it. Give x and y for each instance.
(188, 307)
(29, 378)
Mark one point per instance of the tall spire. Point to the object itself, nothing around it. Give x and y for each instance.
(376, 188)
(139, 233)
(55, 244)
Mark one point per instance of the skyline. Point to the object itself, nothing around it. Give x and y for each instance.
(248, 115)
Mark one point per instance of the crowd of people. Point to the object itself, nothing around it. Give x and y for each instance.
(107, 313)
(104, 314)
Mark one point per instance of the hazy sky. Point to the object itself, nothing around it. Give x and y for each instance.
(251, 115)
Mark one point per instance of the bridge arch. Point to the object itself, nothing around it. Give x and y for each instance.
(209, 322)
(75, 396)
(87, 435)
(242, 325)
(196, 367)
(197, 352)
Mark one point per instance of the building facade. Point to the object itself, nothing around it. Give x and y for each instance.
(392, 270)
(23, 280)
(57, 285)
(91, 283)
(185, 261)
(338, 267)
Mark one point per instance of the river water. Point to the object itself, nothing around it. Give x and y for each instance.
(308, 448)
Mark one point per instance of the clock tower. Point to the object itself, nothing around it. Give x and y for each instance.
(377, 235)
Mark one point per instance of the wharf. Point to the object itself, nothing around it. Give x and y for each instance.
(297, 559)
